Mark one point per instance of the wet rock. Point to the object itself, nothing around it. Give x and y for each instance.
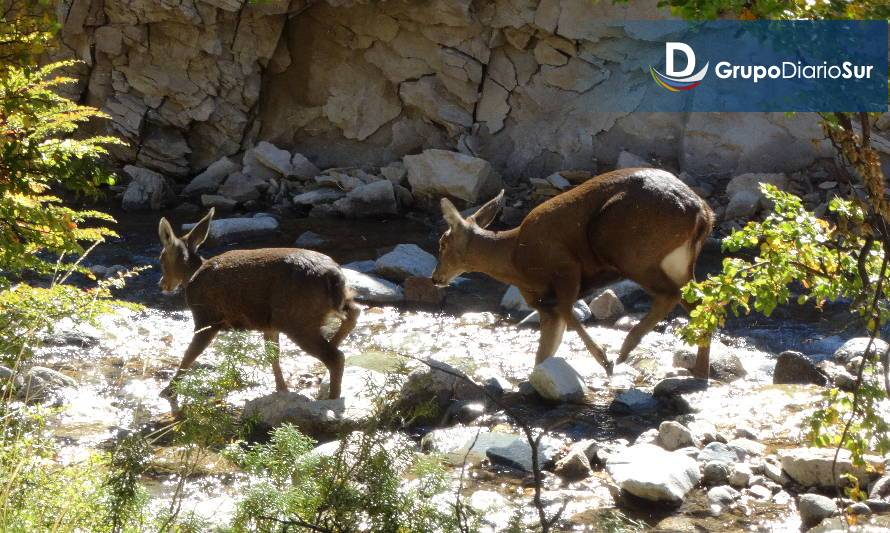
(467, 411)
(220, 203)
(812, 467)
(673, 436)
(405, 260)
(434, 173)
(880, 490)
(228, 230)
(607, 306)
(422, 290)
(439, 383)
(461, 443)
(316, 418)
(303, 168)
(855, 347)
(630, 160)
(814, 508)
(634, 401)
(518, 454)
(720, 498)
(740, 476)
(717, 451)
(795, 367)
(555, 379)
(370, 200)
(147, 190)
(273, 157)
(209, 181)
(309, 239)
(315, 197)
(716, 473)
(651, 473)
(372, 289)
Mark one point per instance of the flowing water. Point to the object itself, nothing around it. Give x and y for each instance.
(122, 365)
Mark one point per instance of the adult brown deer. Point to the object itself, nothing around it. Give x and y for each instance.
(638, 223)
(272, 290)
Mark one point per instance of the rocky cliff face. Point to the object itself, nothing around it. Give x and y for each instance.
(353, 83)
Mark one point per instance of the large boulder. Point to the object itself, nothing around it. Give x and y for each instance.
(812, 467)
(227, 230)
(651, 473)
(209, 181)
(373, 199)
(814, 508)
(405, 260)
(795, 367)
(855, 347)
(435, 173)
(371, 289)
(147, 190)
(555, 379)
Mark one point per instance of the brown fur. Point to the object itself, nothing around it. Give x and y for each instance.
(272, 290)
(621, 224)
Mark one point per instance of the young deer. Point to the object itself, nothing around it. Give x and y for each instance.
(272, 290)
(640, 224)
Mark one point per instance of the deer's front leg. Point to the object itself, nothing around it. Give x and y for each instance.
(200, 341)
(566, 288)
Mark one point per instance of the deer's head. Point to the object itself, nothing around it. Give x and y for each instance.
(179, 256)
(454, 259)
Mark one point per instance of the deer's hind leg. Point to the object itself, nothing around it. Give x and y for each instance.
(324, 350)
(273, 351)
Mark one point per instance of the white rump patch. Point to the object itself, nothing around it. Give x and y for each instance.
(676, 264)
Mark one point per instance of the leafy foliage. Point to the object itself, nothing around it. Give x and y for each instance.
(778, 9)
(39, 151)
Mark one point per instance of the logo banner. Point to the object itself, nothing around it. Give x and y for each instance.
(754, 66)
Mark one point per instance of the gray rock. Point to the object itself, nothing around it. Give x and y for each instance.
(513, 300)
(716, 473)
(746, 447)
(673, 436)
(814, 508)
(242, 187)
(309, 239)
(880, 490)
(751, 183)
(303, 168)
(629, 160)
(361, 266)
(395, 172)
(435, 173)
(651, 473)
(719, 498)
(859, 509)
(147, 190)
(634, 401)
(746, 432)
(555, 379)
(650, 436)
(459, 444)
(682, 385)
(42, 385)
(740, 476)
(855, 347)
(743, 204)
(372, 289)
(319, 196)
(227, 230)
(221, 203)
(404, 261)
(574, 466)
(812, 467)
(373, 199)
(256, 169)
(274, 158)
(795, 367)
(518, 454)
(717, 451)
(606, 306)
(580, 310)
(774, 473)
(209, 181)
(437, 383)
(316, 418)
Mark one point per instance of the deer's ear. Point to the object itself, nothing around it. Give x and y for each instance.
(487, 213)
(198, 235)
(451, 214)
(165, 232)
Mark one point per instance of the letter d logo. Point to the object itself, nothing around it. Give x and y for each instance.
(678, 80)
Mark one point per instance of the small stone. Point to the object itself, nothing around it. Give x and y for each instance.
(826, 185)
(607, 306)
(317, 197)
(859, 508)
(634, 401)
(719, 498)
(303, 168)
(716, 473)
(209, 181)
(574, 466)
(746, 432)
(556, 380)
(273, 157)
(775, 474)
(674, 436)
(651, 473)
(220, 203)
(740, 476)
(717, 451)
(760, 492)
(309, 239)
(814, 508)
(147, 190)
(372, 289)
(404, 261)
